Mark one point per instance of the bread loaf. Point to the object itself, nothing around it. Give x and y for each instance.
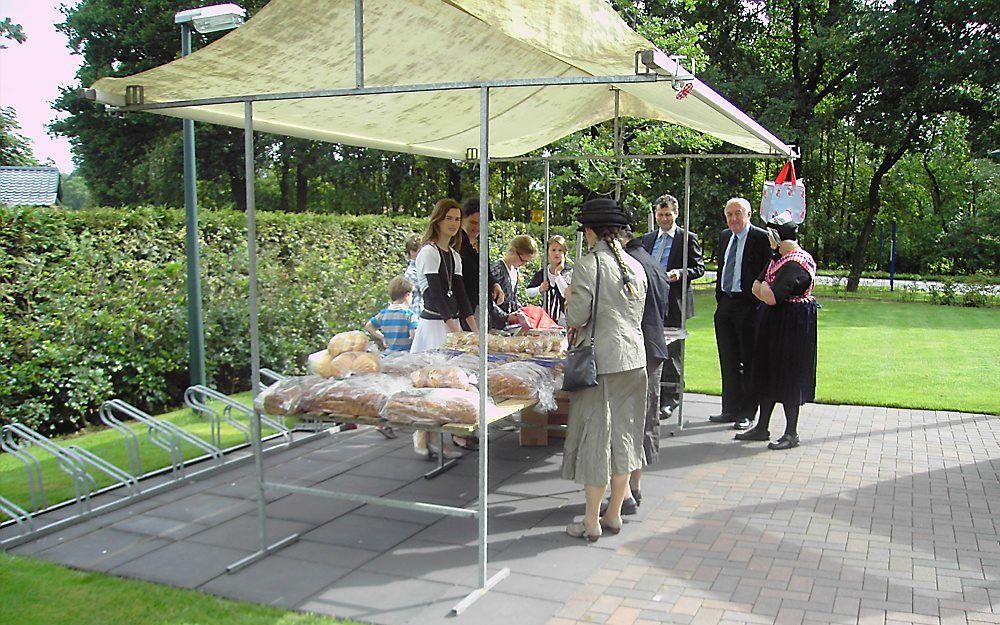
(284, 397)
(433, 406)
(350, 363)
(441, 377)
(352, 341)
(358, 396)
(319, 363)
(517, 380)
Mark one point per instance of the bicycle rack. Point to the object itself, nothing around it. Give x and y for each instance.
(163, 434)
(71, 460)
(196, 397)
(16, 512)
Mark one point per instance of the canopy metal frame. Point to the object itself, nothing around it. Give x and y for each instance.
(135, 103)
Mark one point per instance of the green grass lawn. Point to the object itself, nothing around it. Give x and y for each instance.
(882, 353)
(33, 592)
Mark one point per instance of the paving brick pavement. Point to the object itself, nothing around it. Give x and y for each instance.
(880, 516)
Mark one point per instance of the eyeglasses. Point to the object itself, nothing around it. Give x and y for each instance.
(522, 258)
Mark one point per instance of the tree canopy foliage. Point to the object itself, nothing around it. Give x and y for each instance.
(893, 104)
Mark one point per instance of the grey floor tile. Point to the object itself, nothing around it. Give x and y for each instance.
(309, 508)
(363, 532)
(496, 607)
(376, 598)
(182, 564)
(160, 527)
(103, 550)
(465, 531)
(398, 514)
(558, 557)
(46, 542)
(421, 559)
(242, 532)
(332, 555)
(275, 580)
(205, 508)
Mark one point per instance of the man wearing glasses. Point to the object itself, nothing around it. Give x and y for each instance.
(521, 250)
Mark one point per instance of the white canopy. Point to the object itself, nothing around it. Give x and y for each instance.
(308, 45)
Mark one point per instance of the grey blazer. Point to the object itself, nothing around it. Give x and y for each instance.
(618, 342)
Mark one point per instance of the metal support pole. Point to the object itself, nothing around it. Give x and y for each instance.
(196, 332)
(548, 182)
(359, 44)
(684, 285)
(482, 511)
(618, 145)
(255, 443)
(248, 157)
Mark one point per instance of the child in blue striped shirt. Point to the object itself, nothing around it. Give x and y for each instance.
(395, 325)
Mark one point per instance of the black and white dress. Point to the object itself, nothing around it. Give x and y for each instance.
(439, 279)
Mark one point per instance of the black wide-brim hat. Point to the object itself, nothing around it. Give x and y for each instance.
(601, 212)
(786, 231)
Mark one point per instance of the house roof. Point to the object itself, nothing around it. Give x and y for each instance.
(294, 47)
(29, 186)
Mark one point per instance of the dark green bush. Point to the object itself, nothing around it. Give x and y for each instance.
(93, 303)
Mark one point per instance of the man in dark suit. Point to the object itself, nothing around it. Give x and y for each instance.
(666, 245)
(743, 252)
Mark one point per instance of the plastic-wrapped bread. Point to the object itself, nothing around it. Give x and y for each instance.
(461, 340)
(319, 363)
(433, 406)
(351, 341)
(407, 363)
(284, 397)
(441, 376)
(517, 380)
(351, 363)
(357, 396)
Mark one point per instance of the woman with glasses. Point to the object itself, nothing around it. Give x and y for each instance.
(521, 250)
(552, 280)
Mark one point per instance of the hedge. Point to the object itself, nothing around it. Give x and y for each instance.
(93, 304)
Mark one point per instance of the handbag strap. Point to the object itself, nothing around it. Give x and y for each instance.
(788, 169)
(593, 306)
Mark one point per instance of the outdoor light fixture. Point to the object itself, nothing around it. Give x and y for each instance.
(666, 66)
(208, 19)
(212, 18)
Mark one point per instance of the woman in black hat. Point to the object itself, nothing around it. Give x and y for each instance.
(785, 349)
(604, 435)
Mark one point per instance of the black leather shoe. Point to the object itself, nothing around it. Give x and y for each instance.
(665, 413)
(629, 507)
(743, 424)
(723, 418)
(785, 442)
(753, 435)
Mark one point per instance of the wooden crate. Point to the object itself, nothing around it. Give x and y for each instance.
(539, 436)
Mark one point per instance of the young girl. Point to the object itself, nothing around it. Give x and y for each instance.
(439, 278)
(552, 281)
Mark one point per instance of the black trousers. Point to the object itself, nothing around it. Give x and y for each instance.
(734, 335)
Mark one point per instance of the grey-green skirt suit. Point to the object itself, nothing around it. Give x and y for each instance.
(604, 435)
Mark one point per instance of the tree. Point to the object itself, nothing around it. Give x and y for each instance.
(15, 149)
(10, 30)
(918, 61)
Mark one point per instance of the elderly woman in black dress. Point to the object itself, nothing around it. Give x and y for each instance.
(785, 345)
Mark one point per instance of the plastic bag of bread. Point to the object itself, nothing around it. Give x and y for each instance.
(461, 340)
(351, 363)
(284, 397)
(433, 406)
(523, 380)
(441, 376)
(407, 363)
(352, 341)
(357, 396)
(319, 363)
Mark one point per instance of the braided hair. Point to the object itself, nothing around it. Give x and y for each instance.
(609, 234)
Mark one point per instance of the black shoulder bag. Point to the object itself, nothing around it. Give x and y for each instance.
(581, 368)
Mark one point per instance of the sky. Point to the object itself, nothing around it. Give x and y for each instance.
(32, 72)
